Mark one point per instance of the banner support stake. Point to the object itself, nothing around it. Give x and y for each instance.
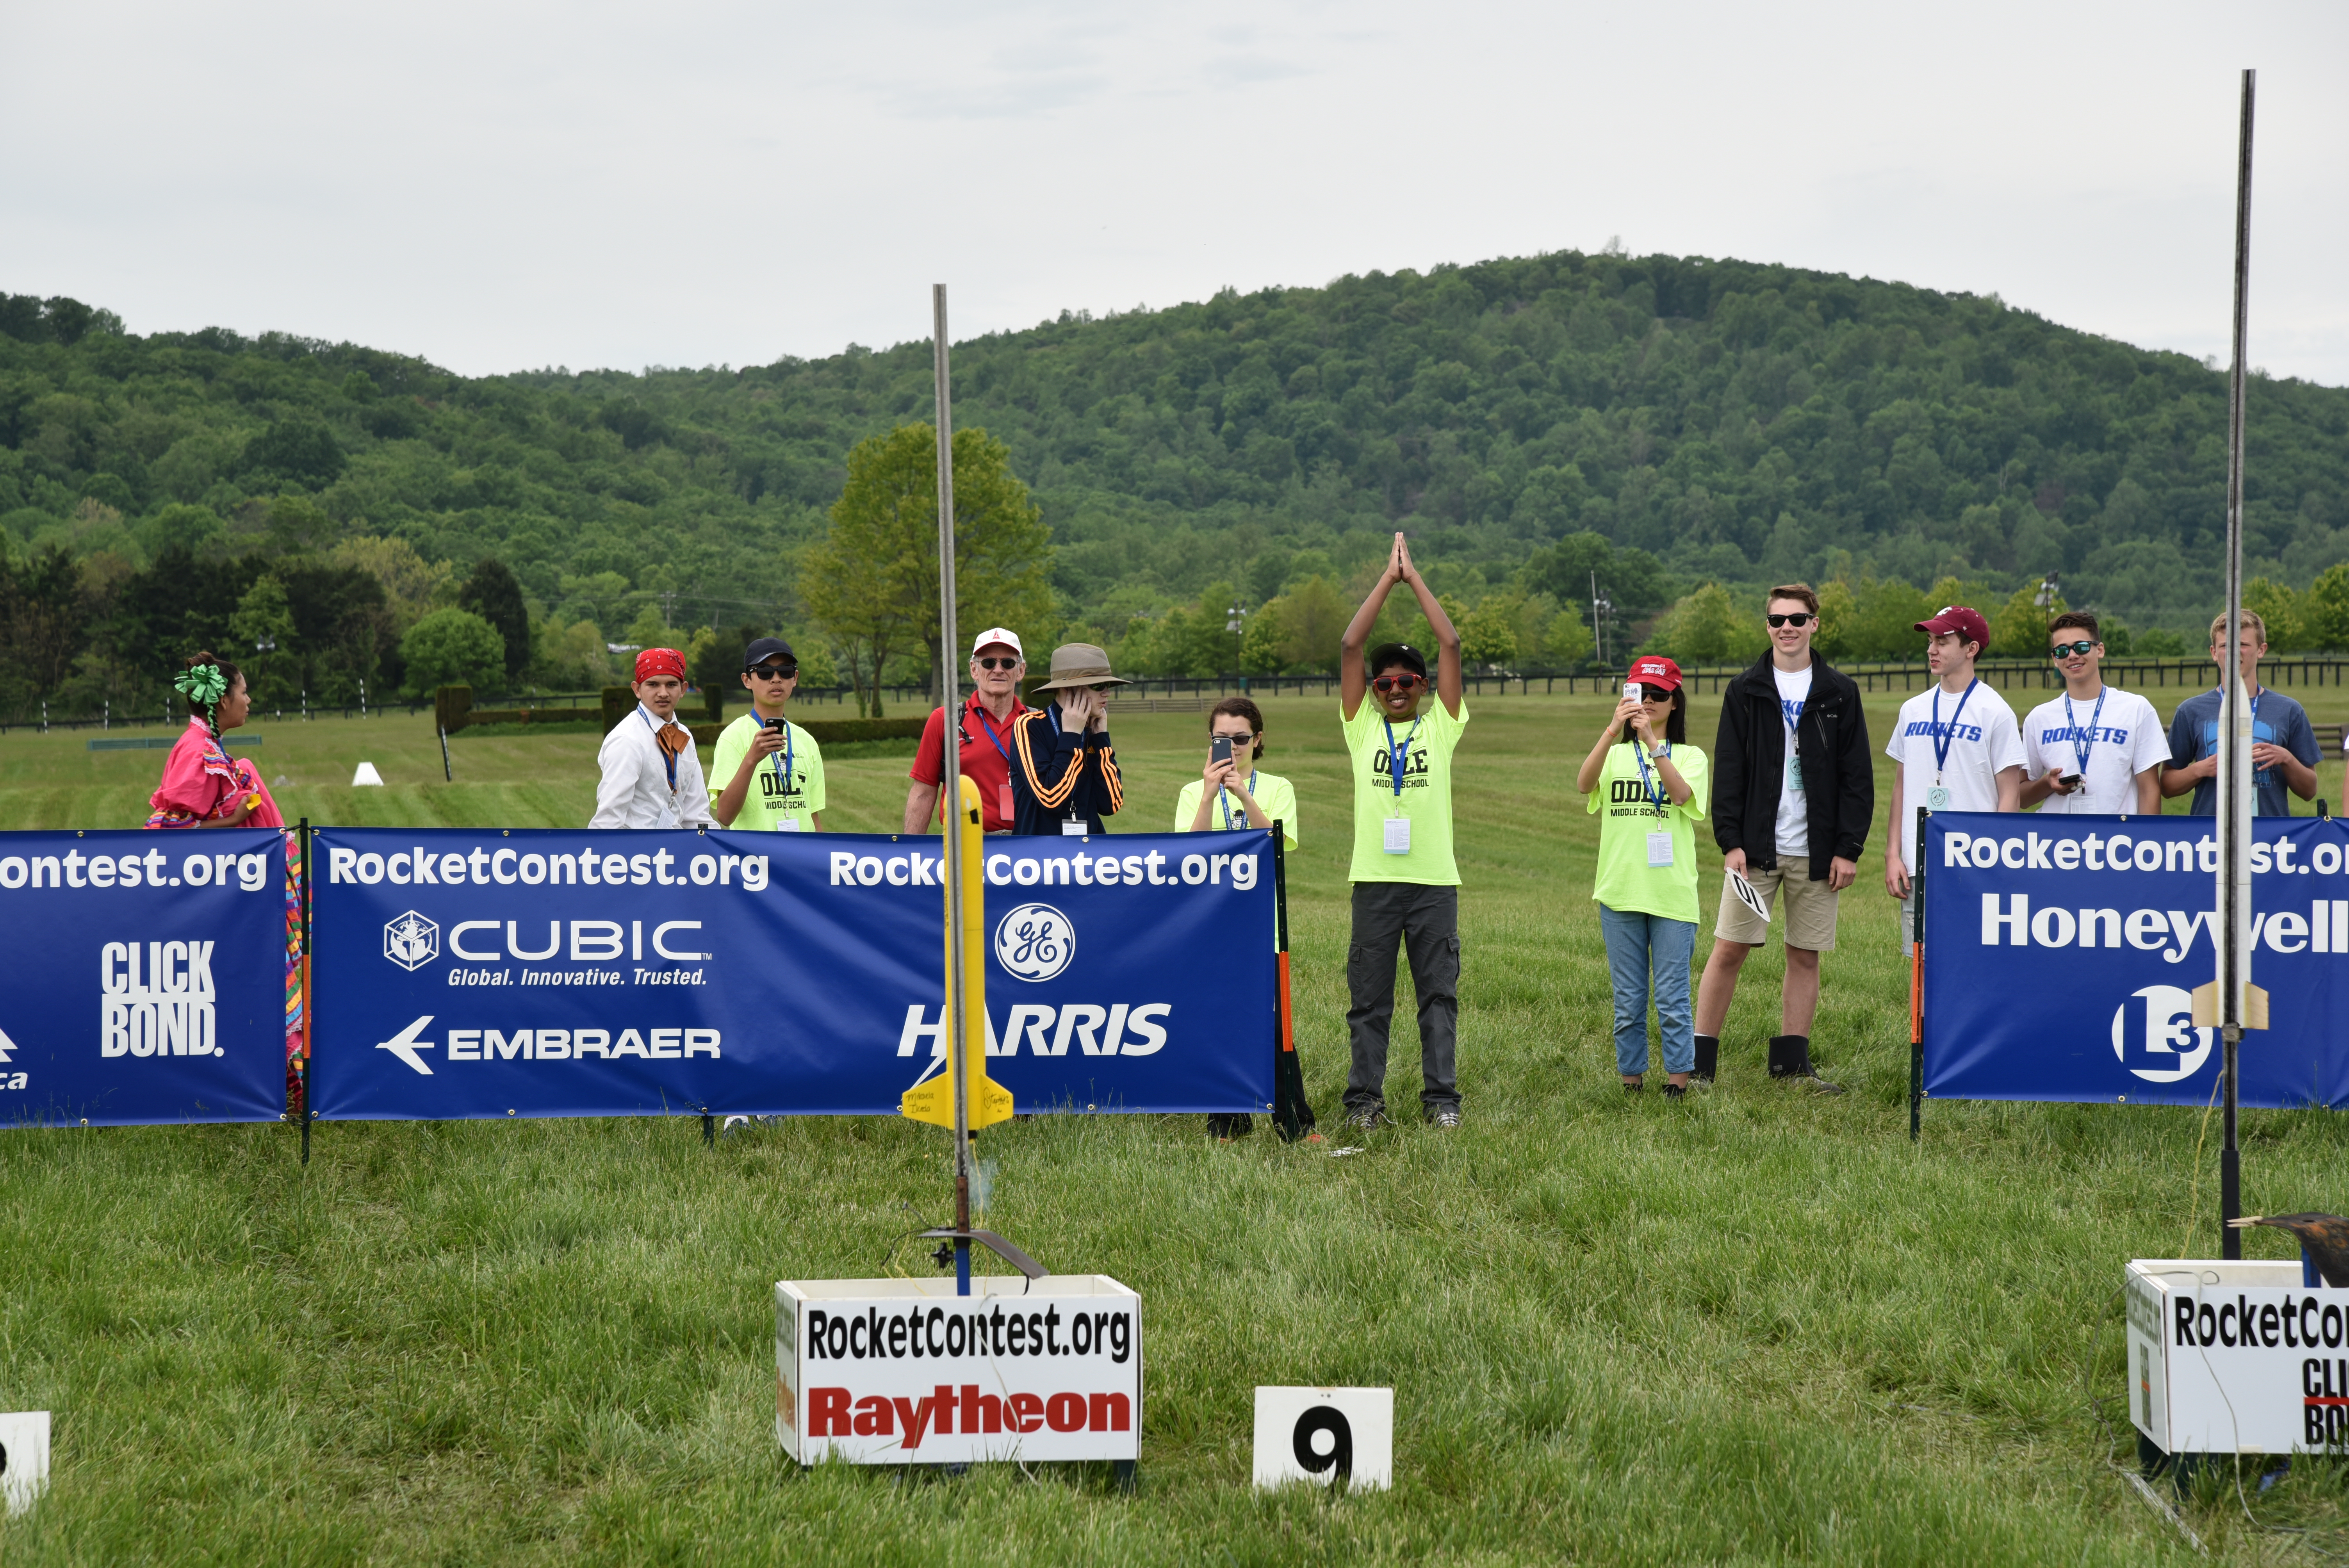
(1917, 988)
(309, 1022)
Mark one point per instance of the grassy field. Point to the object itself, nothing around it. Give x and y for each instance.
(1757, 1327)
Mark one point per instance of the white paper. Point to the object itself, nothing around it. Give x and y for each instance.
(1744, 892)
(793, 825)
(1312, 1419)
(25, 1450)
(1659, 850)
(1398, 835)
(1074, 830)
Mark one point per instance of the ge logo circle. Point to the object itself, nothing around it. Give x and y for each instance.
(1034, 942)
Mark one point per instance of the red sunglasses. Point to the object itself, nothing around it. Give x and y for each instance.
(1399, 683)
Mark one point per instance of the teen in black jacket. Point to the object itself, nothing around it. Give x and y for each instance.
(1789, 693)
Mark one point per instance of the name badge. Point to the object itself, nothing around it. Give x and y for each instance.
(1397, 830)
(791, 825)
(1076, 829)
(1937, 798)
(1659, 850)
(1004, 811)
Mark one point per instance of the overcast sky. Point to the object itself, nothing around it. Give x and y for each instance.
(500, 186)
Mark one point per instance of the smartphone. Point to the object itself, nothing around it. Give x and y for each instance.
(1633, 693)
(1221, 752)
(2070, 780)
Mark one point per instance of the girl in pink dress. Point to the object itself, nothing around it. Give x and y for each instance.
(204, 787)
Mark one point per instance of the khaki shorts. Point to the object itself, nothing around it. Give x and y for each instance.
(1809, 915)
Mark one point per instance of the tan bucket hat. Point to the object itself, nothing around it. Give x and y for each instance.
(1080, 664)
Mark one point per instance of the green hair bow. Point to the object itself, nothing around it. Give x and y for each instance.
(205, 684)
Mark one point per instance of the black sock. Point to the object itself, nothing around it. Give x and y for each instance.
(1708, 1057)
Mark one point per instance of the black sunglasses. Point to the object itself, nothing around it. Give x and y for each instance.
(998, 663)
(1792, 618)
(1246, 737)
(771, 672)
(1399, 683)
(2070, 650)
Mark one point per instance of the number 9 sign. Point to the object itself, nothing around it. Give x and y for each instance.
(1343, 1436)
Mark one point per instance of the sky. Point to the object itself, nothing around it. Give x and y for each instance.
(499, 186)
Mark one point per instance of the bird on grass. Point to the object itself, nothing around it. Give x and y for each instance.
(2325, 1238)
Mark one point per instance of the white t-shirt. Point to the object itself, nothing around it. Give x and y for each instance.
(2124, 737)
(1794, 834)
(1983, 742)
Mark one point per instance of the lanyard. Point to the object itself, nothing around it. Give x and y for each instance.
(989, 730)
(1399, 755)
(1652, 790)
(1942, 737)
(667, 761)
(2080, 748)
(783, 763)
(1223, 802)
(1791, 714)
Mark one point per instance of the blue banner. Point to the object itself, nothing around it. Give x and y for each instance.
(147, 978)
(540, 973)
(2060, 954)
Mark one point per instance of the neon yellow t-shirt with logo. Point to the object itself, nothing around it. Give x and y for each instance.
(1629, 879)
(772, 800)
(1425, 798)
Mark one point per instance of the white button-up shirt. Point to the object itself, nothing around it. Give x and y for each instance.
(635, 790)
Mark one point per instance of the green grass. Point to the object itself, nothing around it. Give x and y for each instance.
(1759, 1327)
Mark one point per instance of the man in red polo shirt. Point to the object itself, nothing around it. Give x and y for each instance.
(997, 665)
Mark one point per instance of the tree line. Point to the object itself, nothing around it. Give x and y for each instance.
(1553, 430)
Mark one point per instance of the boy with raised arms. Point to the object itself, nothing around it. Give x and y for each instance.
(1954, 747)
(1406, 886)
(2107, 743)
(773, 769)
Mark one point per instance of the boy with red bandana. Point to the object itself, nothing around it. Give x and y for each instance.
(652, 777)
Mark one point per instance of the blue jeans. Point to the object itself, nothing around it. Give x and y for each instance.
(1636, 944)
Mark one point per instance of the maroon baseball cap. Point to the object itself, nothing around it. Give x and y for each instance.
(1967, 623)
(1656, 671)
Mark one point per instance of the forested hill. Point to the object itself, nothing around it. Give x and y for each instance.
(1737, 422)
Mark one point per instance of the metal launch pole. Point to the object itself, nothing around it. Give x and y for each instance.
(950, 695)
(2235, 731)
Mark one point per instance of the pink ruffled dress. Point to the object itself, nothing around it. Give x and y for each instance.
(202, 781)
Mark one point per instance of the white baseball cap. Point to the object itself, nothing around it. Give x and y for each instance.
(1003, 634)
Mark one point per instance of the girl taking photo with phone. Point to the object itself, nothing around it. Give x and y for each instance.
(1647, 791)
(1229, 791)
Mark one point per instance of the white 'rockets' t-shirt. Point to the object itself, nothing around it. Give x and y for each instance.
(2122, 740)
(1983, 742)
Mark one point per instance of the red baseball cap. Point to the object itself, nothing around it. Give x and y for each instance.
(1967, 623)
(1656, 671)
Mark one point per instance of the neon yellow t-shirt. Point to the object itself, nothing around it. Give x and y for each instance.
(1274, 797)
(1628, 880)
(1424, 800)
(771, 801)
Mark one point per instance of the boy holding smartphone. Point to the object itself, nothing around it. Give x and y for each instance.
(771, 765)
(2095, 749)
(1406, 886)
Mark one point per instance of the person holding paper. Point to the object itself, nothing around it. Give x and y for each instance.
(1406, 886)
(1793, 792)
(774, 769)
(1648, 794)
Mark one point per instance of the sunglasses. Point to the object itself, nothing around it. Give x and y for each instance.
(1399, 683)
(1793, 618)
(1654, 693)
(998, 663)
(772, 672)
(2070, 650)
(1245, 737)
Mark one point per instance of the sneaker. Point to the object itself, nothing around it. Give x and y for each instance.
(1447, 1119)
(1366, 1117)
(1818, 1084)
(1676, 1091)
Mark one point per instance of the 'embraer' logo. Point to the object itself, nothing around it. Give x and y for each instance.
(405, 1045)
